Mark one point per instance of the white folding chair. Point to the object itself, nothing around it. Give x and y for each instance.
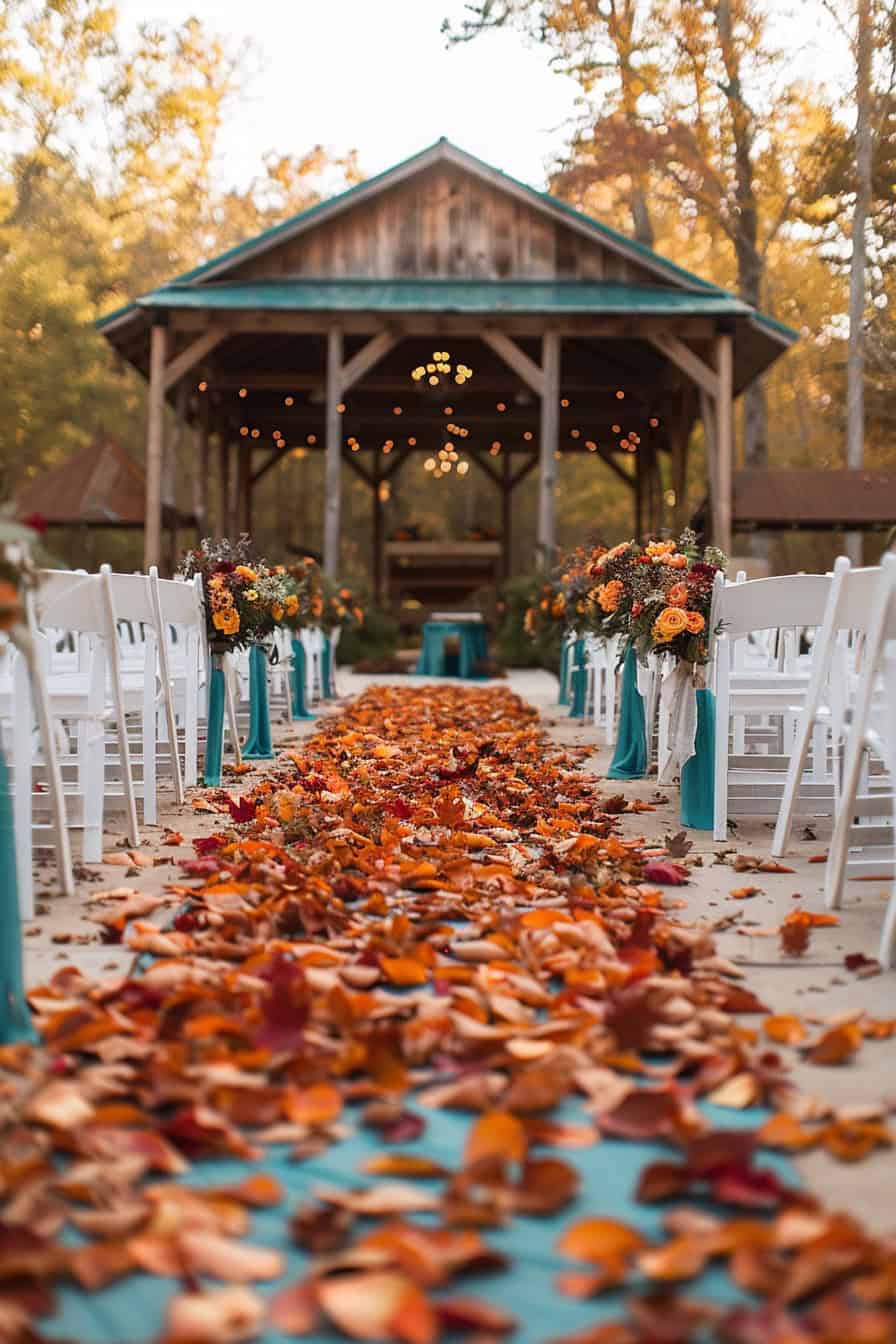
(848, 610)
(183, 663)
(84, 606)
(750, 782)
(872, 730)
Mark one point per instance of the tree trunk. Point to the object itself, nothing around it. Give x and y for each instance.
(855, 361)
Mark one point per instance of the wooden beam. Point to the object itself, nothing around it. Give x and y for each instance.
(377, 535)
(506, 516)
(515, 359)
(610, 461)
(351, 460)
(724, 356)
(201, 465)
(485, 467)
(369, 355)
(223, 485)
(524, 470)
(546, 536)
(195, 351)
(684, 358)
(707, 415)
(333, 440)
(276, 455)
(155, 440)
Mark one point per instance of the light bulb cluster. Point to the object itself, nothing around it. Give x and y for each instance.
(441, 368)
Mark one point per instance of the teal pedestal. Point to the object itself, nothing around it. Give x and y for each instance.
(698, 774)
(578, 680)
(565, 649)
(214, 737)
(15, 1019)
(300, 708)
(630, 756)
(473, 648)
(258, 745)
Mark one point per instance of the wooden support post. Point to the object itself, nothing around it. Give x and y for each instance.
(707, 415)
(201, 463)
(377, 566)
(639, 497)
(679, 434)
(506, 515)
(333, 438)
(724, 439)
(223, 527)
(546, 537)
(155, 439)
(244, 488)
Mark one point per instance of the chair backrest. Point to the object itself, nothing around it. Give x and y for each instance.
(130, 596)
(738, 609)
(64, 600)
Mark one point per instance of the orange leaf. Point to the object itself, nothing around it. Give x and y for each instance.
(785, 1132)
(784, 1029)
(315, 1105)
(598, 1240)
(496, 1135)
(404, 970)
(836, 1045)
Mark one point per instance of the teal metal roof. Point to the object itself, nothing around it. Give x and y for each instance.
(460, 296)
(540, 199)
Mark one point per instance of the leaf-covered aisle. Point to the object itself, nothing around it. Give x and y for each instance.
(426, 1054)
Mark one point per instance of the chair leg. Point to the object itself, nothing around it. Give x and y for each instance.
(795, 769)
(22, 761)
(149, 733)
(887, 951)
(91, 778)
(46, 729)
(230, 706)
(720, 800)
(836, 865)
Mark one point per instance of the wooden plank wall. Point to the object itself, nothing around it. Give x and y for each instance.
(443, 223)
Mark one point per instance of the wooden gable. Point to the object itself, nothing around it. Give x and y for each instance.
(445, 221)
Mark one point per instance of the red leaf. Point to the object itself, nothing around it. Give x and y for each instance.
(666, 873)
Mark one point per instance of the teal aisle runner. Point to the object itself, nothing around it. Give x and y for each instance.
(258, 744)
(326, 670)
(563, 697)
(15, 1019)
(630, 756)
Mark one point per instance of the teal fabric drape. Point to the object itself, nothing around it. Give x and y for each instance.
(473, 642)
(300, 708)
(578, 680)
(326, 670)
(630, 756)
(563, 697)
(698, 774)
(15, 1019)
(214, 737)
(258, 746)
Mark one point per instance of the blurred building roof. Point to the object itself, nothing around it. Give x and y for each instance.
(101, 486)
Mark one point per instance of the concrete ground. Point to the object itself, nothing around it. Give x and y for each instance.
(814, 986)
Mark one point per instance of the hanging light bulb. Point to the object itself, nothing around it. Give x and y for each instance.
(463, 468)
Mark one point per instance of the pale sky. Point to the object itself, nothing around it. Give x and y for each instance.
(376, 76)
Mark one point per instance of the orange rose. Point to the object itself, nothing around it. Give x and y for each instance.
(10, 605)
(670, 622)
(695, 622)
(677, 595)
(609, 594)
(676, 561)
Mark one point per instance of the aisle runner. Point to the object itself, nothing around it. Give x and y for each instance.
(422, 968)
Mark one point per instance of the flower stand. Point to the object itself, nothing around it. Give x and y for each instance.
(258, 744)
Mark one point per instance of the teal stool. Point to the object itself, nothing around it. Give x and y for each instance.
(15, 1019)
(630, 756)
(300, 708)
(698, 774)
(258, 746)
(214, 737)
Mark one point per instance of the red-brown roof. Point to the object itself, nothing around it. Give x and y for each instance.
(814, 498)
(101, 485)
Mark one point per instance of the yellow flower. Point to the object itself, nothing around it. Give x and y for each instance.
(246, 573)
(529, 621)
(277, 611)
(358, 615)
(252, 594)
(292, 605)
(558, 605)
(228, 622)
(670, 622)
(657, 549)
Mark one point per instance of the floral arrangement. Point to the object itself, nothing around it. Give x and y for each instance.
(342, 609)
(547, 612)
(245, 600)
(305, 588)
(658, 596)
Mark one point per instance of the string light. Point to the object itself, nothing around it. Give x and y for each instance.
(574, 433)
(203, 386)
(528, 436)
(289, 401)
(617, 429)
(591, 445)
(564, 402)
(463, 468)
(341, 408)
(244, 430)
(670, 498)
(243, 392)
(654, 424)
(396, 410)
(312, 438)
(384, 490)
(620, 395)
(412, 442)
(429, 464)
(501, 406)
(256, 433)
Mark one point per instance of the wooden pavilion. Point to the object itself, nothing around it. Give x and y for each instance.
(579, 341)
